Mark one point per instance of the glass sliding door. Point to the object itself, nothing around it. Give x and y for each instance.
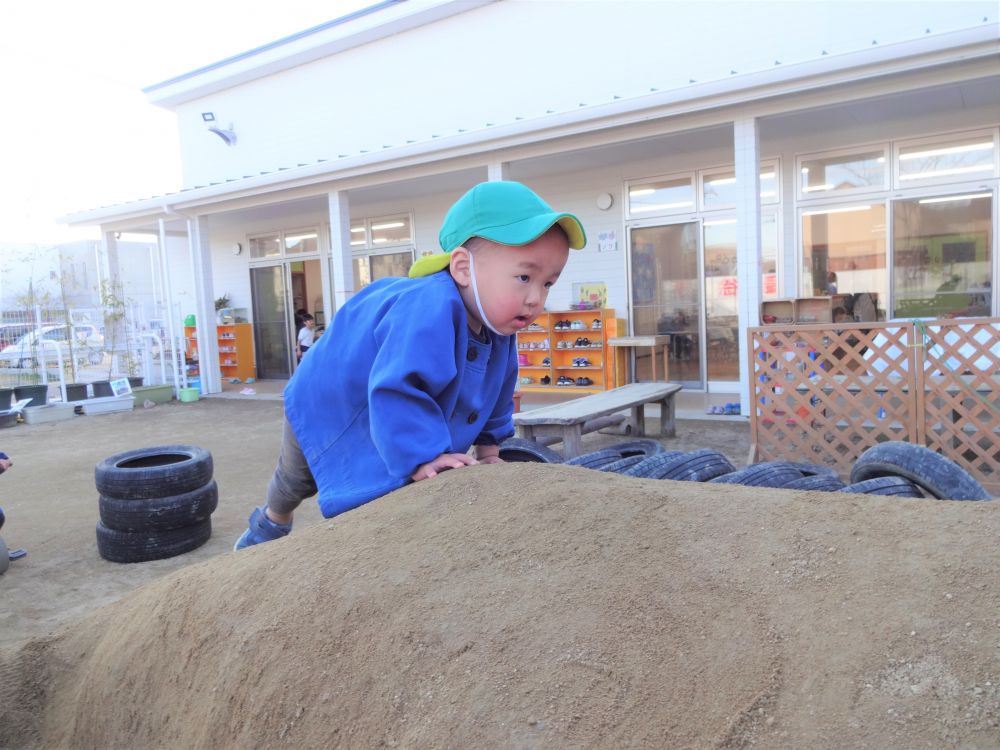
(272, 322)
(667, 297)
(722, 327)
(844, 251)
(942, 256)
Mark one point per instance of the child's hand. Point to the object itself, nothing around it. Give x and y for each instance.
(5, 463)
(488, 454)
(442, 463)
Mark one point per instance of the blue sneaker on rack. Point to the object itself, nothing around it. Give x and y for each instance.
(261, 529)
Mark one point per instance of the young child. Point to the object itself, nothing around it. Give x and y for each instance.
(426, 365)
(15, 554)
(306, 336)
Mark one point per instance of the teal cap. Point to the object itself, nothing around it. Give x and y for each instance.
(508, 213)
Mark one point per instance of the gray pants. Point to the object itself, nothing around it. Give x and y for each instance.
(292, 481)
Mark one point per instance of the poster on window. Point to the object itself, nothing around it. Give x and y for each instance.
(590, 295)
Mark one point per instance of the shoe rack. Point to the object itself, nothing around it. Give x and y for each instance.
(567, 350)
(235, 341)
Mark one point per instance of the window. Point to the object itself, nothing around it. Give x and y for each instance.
(844, 246)
(371, 240)
(661, 196)
(719, 189)
(300, 243)
(827, 174)
(266, 246)
(369, 268)
(278, 244)
(955, 158)
(942, 264)
(382, 232)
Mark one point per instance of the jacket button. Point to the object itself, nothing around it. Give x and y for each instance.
(471, 354)
(473, 417)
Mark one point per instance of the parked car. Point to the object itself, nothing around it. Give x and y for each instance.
(30, 349)
(11, 332)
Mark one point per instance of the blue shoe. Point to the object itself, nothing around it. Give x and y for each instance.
(261, 529)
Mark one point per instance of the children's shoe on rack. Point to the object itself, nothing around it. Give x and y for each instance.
(596, 325)
(545, 380)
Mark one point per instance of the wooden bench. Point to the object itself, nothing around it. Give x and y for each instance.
(569, 420)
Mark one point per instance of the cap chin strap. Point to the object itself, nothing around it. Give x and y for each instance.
(475, 293)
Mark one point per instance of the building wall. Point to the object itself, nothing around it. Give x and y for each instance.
(512, 60)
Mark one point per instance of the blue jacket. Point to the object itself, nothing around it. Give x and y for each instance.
(394, 382)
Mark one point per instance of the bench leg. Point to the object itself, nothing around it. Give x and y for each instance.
(572, 440)
(638, 420)
(668, 427)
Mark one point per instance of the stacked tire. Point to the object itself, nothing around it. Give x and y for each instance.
(154, 502)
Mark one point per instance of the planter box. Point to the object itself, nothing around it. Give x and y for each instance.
(107, 404)
(158, 394)
(55, 412)
(39, 394)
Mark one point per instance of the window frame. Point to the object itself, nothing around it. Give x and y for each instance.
(773, 163)
(692, 178)
(280, 235)
(369, 244)
(802, 196)
(943, 138)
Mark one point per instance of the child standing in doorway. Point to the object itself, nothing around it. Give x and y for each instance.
(306, 337)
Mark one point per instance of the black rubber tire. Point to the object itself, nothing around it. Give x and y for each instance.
(936, 475)
(159, 471)
(143, 546)
(159, 513)
(766, 474)
(816, 483)
(651, 466)
(898, 486)
(594, 459)
(813, 470)
(697, 466)
(517, 449)
(638, 447)
(626, 462)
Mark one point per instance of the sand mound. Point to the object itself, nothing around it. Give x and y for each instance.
(546, 606)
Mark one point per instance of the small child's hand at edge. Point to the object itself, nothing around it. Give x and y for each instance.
(442, 463)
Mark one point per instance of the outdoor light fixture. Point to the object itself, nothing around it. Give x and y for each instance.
(228, 135)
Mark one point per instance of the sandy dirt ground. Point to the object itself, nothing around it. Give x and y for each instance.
(51, 501)
(522, 605)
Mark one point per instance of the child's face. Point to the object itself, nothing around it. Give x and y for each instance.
(310, 323)
(514, 282)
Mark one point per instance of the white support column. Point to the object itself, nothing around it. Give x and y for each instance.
(204, 298)
(748, 275)
(497, 170)
(176, 350)
(340, 261)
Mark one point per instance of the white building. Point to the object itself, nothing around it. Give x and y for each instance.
(869, 131)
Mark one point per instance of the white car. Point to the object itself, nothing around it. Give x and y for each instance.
(39, 345)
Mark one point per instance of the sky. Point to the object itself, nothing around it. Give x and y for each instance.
(76, 131)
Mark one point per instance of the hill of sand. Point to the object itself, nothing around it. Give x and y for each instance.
(528, 605)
